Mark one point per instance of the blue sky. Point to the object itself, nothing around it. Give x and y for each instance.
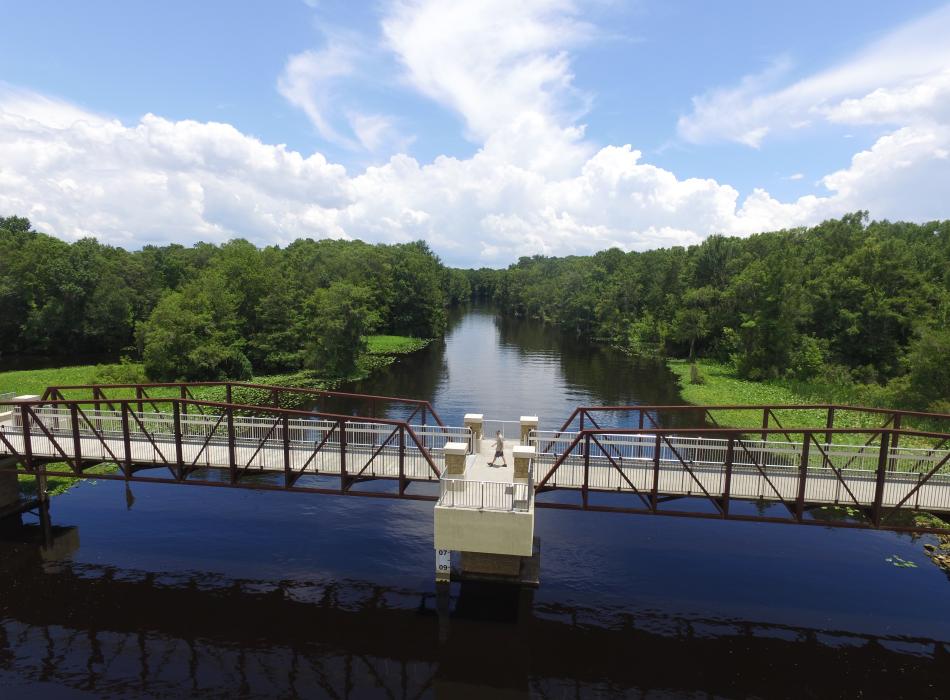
(491, 129)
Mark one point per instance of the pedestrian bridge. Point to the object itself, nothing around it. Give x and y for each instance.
(895, 465)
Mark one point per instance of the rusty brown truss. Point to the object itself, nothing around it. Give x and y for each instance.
(599, 466)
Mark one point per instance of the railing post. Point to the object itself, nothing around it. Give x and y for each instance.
(802, 478)
(730, 455)
(275, 397)
(654, 493)
(126, 439)
(138, 396)
(27, 441)
(829, 424)
(342, 425)
(586, 467)
(881, 478)
(765, 423)
(895, 439)
(232, 451)
(423, 414)
(183, 394)
(97, 394)
(639, 437)
(180, 467)
(77, 441)
(228, 393)
(402, 460)
(285, 429)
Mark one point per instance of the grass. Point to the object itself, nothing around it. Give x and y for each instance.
(721, 386)
(394, 344)
(35, 381)
(382, 351)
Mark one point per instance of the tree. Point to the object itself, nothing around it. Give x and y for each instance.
(337, 318)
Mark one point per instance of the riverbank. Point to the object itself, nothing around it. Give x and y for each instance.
(718, 385)
(381, 351)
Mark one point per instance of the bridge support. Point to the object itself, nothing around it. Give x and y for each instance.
(9, 486)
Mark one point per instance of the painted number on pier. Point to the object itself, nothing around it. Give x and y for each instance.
(443, 560)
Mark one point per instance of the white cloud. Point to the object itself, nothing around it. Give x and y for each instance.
(902, 79)
(76, 174)
(308, 81)
(535, 184)
(502, 66)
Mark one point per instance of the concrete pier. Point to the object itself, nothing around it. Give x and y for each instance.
(485, 511)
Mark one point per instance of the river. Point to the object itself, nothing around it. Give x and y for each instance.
(166, 591)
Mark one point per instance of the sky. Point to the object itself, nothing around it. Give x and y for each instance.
(491, 129)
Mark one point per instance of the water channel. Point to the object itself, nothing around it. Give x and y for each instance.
(169, 591)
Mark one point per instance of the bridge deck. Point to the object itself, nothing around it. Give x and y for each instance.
(759, 469)
(367, 449)
(645, 464)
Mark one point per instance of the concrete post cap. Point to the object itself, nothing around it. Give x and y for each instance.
(523, 451)
(529, 420)
(474, 417)
(456, 448)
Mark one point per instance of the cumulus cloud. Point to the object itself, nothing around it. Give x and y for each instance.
(312, 80)
(502, 66)
(535, 184)
(902, 79)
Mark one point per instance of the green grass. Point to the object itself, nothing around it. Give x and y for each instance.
(394, 344)
(35, 381)
(56, 485)
(382, 351)
(721, 386)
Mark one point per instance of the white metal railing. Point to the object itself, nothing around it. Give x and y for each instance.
(259, 440)
(712, 452)
(484, 495)
(510, 429)
(835, 473)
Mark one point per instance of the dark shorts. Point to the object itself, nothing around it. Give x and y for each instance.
(499, 453)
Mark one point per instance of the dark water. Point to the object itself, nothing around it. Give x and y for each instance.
(197, 592)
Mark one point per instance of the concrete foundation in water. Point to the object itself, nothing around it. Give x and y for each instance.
(485, 511)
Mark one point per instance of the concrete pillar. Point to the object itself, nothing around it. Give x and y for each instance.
(443, 565)
(523, 455)
(474, 421)
(9, 486)
(528, 423)
(482, 564)
(455, 453)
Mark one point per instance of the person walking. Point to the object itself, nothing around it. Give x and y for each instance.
(499, 450)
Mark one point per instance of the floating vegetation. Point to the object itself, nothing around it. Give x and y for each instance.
(900, 562)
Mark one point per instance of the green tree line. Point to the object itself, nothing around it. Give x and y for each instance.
(217, 311)
(847, 302)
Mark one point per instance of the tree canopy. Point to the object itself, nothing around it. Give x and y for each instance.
(215, 311)
(866, 300)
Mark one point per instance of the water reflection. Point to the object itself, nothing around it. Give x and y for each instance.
(505, 368)
(199, 592)
(123, 633)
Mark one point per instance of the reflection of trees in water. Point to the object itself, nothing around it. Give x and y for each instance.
(120, 632)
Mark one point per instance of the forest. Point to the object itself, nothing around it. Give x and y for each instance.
(211, 312)
(859, 307)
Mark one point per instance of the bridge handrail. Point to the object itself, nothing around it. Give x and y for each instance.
(53, 392)
(26, 415)
(737, 443)
(767, 410)
(484, 495)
